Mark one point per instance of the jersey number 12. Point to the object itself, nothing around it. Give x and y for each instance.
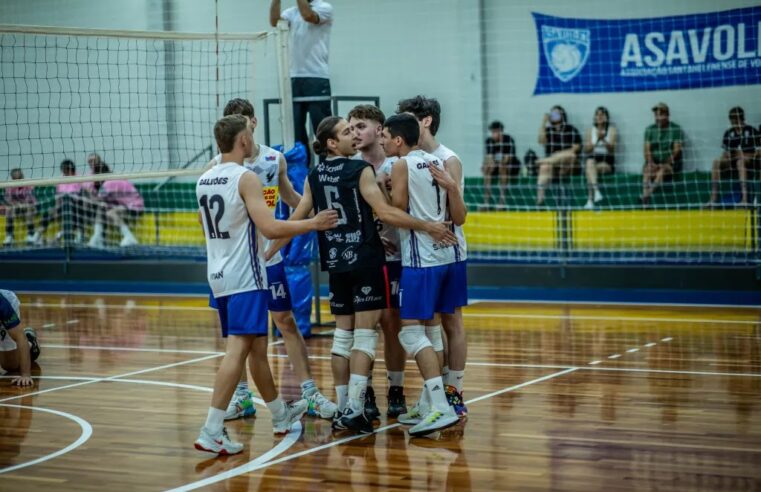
(213, 226)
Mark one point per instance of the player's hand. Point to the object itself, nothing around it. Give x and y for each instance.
(443, 178)
(441, 233)
(327, 219)
(388, 246)
(22, 381)
(269, 254)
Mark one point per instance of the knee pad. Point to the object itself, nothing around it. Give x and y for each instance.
(413, 339)
(342, 341)
(365, 341)
(434, 335)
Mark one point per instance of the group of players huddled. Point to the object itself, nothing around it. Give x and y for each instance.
(387, 201)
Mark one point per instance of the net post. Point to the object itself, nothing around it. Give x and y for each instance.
(286, 96)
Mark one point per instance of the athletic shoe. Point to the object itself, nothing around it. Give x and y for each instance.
(455, 401)
(589, 205)
(397, 404)
(219, 444)
(319, 406)
(294, 412)
(8, 241)
(241, 405)
(96, 242)
(357, 421)
(34, 346)
(128, 241)
(34, 238)
(414, 416)
(371, 408)
(435, 420)
(598, 196)
(337, 425)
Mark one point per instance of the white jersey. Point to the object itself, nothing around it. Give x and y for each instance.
(461, 252)
(235, 261)
(267, 167)
(426, 202)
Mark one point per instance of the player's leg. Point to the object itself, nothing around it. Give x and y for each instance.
(99, 212)
(280, 307)
(342, 307)
(116, 216)
(454, 296)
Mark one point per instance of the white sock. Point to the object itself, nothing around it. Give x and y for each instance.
(242, 387)
(215, 420)
(445, 374)
(357, 389)
(277, 407)
(342, 395)
(308, 388)
(125, 231)
(455, 379)
(435, 389)
(97, 230)
(395, 378)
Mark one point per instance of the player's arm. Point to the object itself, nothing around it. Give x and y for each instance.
(25, 358)
(449, 179)
(302, 211)
(250, 189)
(307, 13)
(275, 12)
(394, 216)
(288, 194)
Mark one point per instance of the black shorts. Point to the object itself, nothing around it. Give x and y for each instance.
(358, 290)
(604, 158)
(513, 168)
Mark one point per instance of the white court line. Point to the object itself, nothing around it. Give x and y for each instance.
(651, 344)
(133, 373)
(131, 349)
(614, 356)
(606, 303)
(668, 371)
(83, 424)
(594, 362)
(632, 350)
(48, 325)
(250, 467)
(72, 322)
(667, 339)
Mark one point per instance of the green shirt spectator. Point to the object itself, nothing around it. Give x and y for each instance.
(662, 140)
(663, 152)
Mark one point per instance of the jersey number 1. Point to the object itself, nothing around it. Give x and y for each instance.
(207, 204)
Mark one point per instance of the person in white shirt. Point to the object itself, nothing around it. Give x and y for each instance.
(310, 23)
(233, 211)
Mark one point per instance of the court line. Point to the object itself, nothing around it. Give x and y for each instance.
(133, 349)
(602, 303)
(83, 437)
(133, 373)
(248, 468)
(669, 371)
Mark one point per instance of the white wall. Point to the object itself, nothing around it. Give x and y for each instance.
(512, 67)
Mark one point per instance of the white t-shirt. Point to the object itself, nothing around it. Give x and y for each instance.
(310, 43)
(426, 202)
(445, 153)
(234, 248)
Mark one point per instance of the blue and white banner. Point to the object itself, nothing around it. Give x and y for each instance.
(680, 52)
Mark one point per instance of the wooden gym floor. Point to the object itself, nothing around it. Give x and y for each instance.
(560, 397)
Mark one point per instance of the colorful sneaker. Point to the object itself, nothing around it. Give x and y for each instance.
(397, 404)
(241, 405)
(357, 421)
(319, 406)
(435, 420)
(337, 425)
(34, 346)
(414, 415)
(456, 401)
(294, 412)
(219, 444)
(371, 408)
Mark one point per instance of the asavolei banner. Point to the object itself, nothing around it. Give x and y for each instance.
(679, 52)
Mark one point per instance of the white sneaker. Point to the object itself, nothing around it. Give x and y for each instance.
(241, 405)
(8, 241)
(293, 413)
(128, 241)
(589, 205)
(319, 406)
(59, 236)
(435, 420)
(598, 196)
(414, 416)
(219, 444)
(78, 237)
(35, 238)
(95, 242)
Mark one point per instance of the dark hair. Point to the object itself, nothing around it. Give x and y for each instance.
(99, 166)
(563, 115)
(17, 170)
(421, 107)
(404, 125)
(68, 165)
(367, 112)
(226, 129)
(325, 130)
(496, 125)
(737, 112)
(604, 111)
(239, 106)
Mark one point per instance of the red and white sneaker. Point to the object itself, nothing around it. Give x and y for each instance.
(219, 444)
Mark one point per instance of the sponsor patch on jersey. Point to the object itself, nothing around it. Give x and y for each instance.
(270, 158)
(271, 195)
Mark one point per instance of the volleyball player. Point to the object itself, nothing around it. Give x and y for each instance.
(233, 211)
(18, 348)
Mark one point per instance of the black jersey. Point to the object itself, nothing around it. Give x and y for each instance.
(354, 243)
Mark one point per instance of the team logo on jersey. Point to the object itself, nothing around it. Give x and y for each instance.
(348, 255)
(333, 253)
(270, 158)
(566, 50)
(270, 175)
(366, 290)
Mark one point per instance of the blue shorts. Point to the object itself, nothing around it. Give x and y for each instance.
(393, 282)
(9, 318)
(460, 281)
(280, 295)
(244, 313)
(428, 290)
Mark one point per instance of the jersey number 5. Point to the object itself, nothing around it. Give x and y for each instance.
(332, 198)
(213, 226)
